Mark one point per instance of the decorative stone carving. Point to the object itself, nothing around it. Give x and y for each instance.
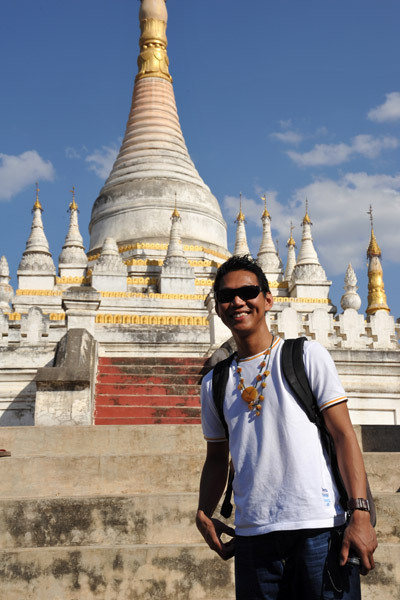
(6, 291)
(350, 298)
(110, 272)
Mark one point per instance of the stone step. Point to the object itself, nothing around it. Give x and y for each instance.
(167, 572)
(123, 520)
(154, 412)
(383, 583)
(102, 441)
(154, 369)
(115, 420)
(383, 470)
(99, 521)
(47, 476)
(149, 389)
(152, 360)
(128, 400)
(140, 572)
(42, 476)
(387, 517)
(146, 378)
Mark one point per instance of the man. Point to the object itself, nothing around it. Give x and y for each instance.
(289, 523)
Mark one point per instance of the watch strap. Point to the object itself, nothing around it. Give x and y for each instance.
(358, 504)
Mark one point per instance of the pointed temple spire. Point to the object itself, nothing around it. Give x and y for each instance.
(73, 260)
(36, 263)
(308, 278)
(307, 253)
(6, 291)
(291, 255)
(241, 246)
(176, 272)
(376, 289)
(153, 163)
(268, 257)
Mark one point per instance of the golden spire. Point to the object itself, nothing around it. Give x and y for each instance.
(306, 217)
(73, 205)
(37, 203)
(153, 58)
(265, 214)
(376, 289)
(291, 241)
(373, 248)
(240, 217)
(175, 214)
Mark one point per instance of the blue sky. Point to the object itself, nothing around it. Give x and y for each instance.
(293, 98)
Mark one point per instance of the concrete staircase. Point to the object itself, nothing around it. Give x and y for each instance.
(142, 391)
(107, 513)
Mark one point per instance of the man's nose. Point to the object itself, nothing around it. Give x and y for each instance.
(238, 301)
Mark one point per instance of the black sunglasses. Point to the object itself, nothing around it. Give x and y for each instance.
(247, 292)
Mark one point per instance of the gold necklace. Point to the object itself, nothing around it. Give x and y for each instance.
(249, 393)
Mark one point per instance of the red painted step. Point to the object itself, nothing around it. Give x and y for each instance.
(148, 390)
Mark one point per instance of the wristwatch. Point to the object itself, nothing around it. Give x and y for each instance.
(357, 504)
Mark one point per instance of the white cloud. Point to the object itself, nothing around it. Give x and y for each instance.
(18, 172)
(71, 152)
(338, 210)
(287, 137)
(388, 111)
(102, 160)
(336, 154)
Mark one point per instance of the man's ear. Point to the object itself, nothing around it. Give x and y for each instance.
(269, 301)
(217, 307)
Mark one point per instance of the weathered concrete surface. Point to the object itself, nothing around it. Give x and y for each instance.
(111, 520)
(383, 470)
(103, 441)
(126, 573)
(126, 439)
(383, 583)
(43, 476)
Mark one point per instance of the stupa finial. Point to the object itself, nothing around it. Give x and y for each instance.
(73, 205)
(240, 217)
(291, 241)
(37, 202)
(306, 216)
(265, 214)
(175, 214)
(373, 248)
(153, 58)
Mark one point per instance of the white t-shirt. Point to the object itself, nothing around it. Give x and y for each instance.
(282, 479)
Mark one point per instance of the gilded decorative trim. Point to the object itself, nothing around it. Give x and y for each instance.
(118, 319)
(56, 316)
(279, 284)
(38, 293)
(278, 299)
(153, 296)
(142, 281)
(203, 282)
(61, 280)
(154, 246)
(15, 316)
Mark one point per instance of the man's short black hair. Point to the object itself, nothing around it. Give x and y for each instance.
(241, 263)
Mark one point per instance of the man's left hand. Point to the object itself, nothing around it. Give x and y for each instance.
(360, 536)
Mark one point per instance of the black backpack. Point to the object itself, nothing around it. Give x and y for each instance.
(295, 375)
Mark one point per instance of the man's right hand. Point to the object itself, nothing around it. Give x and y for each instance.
(211, 530)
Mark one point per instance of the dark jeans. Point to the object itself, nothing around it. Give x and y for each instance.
(294, 565)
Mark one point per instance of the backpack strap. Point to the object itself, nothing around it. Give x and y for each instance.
(219, 380)
(295, 375)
